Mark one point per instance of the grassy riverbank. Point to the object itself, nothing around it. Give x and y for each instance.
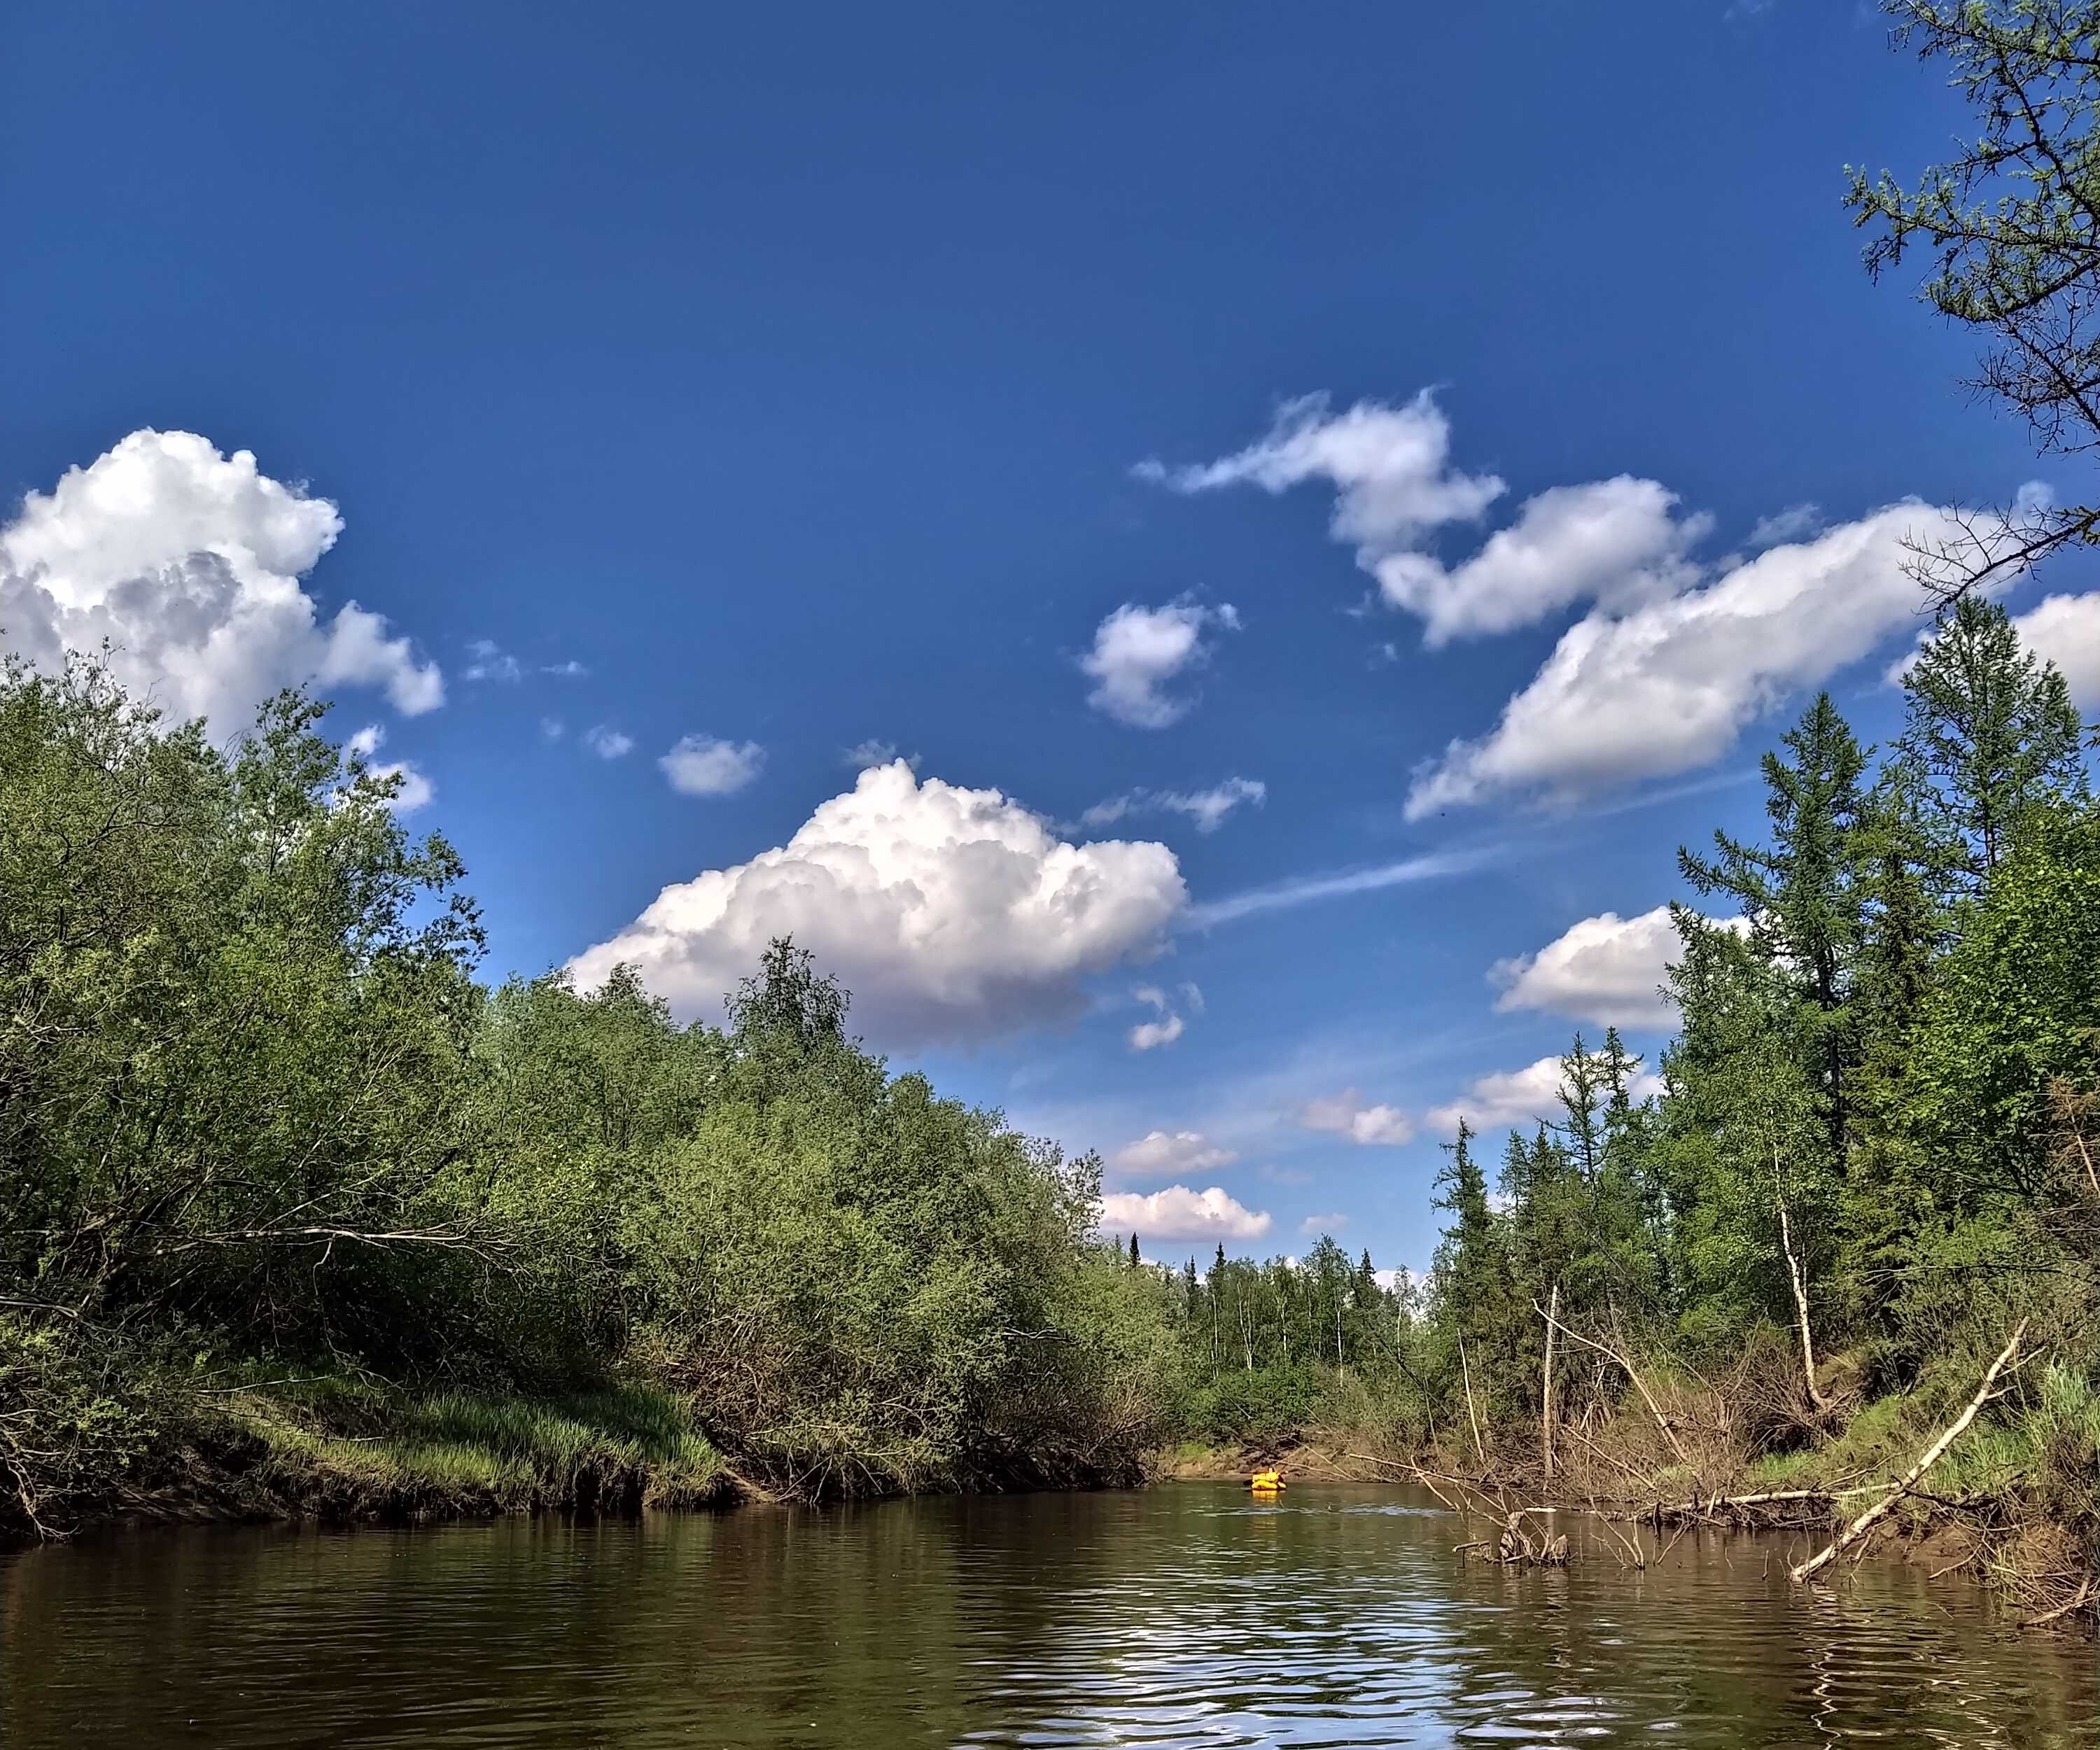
(337, 1453)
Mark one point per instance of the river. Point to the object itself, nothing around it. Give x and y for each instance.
(1184, 1614)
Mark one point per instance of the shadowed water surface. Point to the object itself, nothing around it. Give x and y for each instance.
(1188, 1614)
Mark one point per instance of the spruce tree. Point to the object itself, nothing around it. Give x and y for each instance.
(1472, 1266)
(1990, 732)
(1804, 894)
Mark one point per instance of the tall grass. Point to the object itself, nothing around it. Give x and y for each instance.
(457, 1452)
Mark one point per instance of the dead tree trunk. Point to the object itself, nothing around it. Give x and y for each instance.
(1799, 1279)
(1546, 1387)
(1472, 1415)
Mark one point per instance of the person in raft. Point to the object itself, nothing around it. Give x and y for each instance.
(1265, 1482)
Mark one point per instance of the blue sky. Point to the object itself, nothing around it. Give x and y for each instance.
(771, 385)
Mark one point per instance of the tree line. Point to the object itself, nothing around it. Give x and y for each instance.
(1874, 1141)
(1873, 1155)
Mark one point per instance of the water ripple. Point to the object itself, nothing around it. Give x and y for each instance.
(1185, 1616)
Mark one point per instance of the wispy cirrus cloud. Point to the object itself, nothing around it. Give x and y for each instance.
(1307, 890)
(1209, 809)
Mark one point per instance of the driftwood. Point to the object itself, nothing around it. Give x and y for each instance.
(1933, 1453)
(2077, 1601)
(1516, 1547)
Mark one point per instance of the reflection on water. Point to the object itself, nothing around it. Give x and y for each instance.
(1188, 1614)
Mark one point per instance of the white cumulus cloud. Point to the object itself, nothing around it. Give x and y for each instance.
(1528, 1096)
(1208, 809)
(1674, 657)
(1606, 969)
(607, 743)
(948, 912)
(1138, 652)
(1177, 1213)
(189, 563)
(1172, 1151)
(2066, 630)
(1520, 1097)
(1330, 1224)
(1667, 687)
(1618, 542)
(704, 765)
(1615, 542)
(1346, 1114)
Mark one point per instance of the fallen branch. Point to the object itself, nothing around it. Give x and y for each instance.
(2077, 1601)
(1866, 1522)
(1719, 1505)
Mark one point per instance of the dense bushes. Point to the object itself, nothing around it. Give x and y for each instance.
(251, 1092)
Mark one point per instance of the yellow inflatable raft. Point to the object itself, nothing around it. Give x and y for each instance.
(1265, 1482)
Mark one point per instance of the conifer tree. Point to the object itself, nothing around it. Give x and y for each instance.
(1804, 894)
(1990, 732)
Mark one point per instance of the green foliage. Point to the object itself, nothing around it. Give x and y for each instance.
(1266, 1410)
(234, 1005)
(1880, 1118)
(80, 1418)
(250, 1087)
(1991, 736)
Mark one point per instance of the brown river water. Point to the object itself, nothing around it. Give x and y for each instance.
(1188, 1614)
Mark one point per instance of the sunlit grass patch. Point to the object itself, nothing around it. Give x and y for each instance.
(344, 1447)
